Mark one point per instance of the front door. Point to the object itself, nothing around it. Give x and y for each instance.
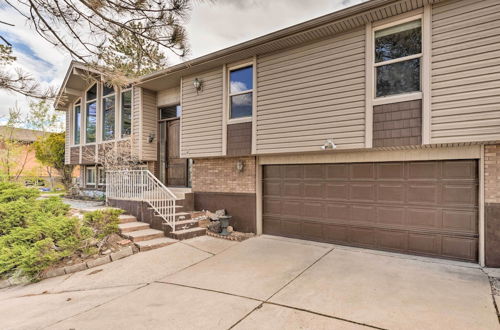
(176, 167)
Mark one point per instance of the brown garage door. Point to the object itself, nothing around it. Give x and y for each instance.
(426, 208)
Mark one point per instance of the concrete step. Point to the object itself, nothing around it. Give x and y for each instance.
(188, 233)
(125, 218)
(179, 216)
(144, 235)
(155, 243)
(132, 226)
(186, 224)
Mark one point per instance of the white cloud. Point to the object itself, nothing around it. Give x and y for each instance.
(213, 25)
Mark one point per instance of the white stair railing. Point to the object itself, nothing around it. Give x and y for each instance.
(142, 185)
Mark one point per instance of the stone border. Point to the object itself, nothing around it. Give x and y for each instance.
(125, 252)
(237, 238)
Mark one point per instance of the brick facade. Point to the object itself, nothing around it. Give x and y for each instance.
(221, 175)
(492, 173)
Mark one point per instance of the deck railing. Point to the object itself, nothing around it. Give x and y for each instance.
(142, 185)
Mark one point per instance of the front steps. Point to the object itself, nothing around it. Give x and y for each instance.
(147, 238)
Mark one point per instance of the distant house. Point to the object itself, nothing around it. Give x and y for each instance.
(376, 126)
(18, 157)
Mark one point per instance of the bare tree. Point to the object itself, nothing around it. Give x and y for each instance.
(85, 29)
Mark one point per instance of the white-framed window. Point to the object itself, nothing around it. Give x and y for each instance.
(91, 114)
(108, 112)
(77, 120)
(240, 91)
(101, 176)
(126, 112)
(397, 58)
(90, 175)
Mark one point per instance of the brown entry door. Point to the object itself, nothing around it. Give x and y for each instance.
(176, 171)
(426, 208)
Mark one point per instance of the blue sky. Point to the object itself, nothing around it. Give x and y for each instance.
(212, 25)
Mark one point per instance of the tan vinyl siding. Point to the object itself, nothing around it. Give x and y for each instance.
(309, 94)
(67, 137)
(169, 96)
(202, 116)
(465, 71)
(149, 120)
(136, 120)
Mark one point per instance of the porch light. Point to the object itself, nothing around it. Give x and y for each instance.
(198, 84)
(328, 145)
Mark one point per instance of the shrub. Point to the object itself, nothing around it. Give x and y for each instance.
(35, 234)
(104, 222)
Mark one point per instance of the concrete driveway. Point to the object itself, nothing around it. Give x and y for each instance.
(262, 283)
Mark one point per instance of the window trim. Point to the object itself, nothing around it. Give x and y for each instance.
(120, 113)
(78, 102)
(87, 183)
(230, 68)
(374, 65)
(96, 114)
(102, 98)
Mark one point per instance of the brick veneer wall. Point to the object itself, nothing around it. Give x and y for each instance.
(492, 174)
(492, 204)
(221, 175)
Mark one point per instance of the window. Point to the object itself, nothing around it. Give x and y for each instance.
(240, 92)
(90, 114)
(101, 176)
(126, 112)
(77, 115)
(90, 175)
(398, 52)
(108, 113)
(173, 111)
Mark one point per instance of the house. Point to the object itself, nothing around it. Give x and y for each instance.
(17, 157)
(376, 126)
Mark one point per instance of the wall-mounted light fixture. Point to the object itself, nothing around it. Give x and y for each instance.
(198, 84)
(151, 137)
(240, 165)
(328, 145)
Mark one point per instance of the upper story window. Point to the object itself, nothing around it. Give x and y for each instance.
(108, 113)
(173, 111)
(77, 117)
(126, 112)
(398, 53)
(240, 92)
(91, 114)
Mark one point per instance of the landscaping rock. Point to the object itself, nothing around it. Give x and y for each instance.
(122, 253)
(123, 242)
(75, 268)
(98, 262)
(54, 272)
(108, 251)
(215, 227)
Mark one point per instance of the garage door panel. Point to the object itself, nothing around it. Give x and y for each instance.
(362, 171)
(391, 193)
(314, 190)
(460, 220)
(423, 218)
(459, 247)
(459, 170)
(392, 240)
(292, 189)
(423, 194)
(271, 188)
(362, 192)
(465, 195)
(391, 171)
(391, 215)
(424, 244)
(423, 171)
(337, 172)
(337, 191)
(426, 208)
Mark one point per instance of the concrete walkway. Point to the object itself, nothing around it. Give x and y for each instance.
(262, 283)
